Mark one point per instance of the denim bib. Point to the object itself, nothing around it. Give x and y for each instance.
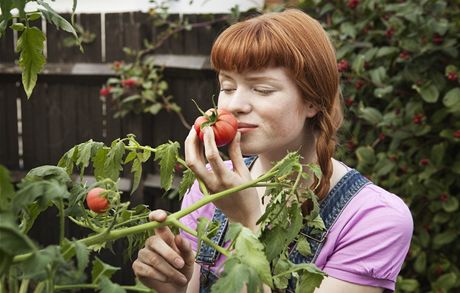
(330, 210)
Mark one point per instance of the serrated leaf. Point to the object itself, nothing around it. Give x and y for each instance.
(131, 156)
(6, 188)
(303, 246)
(309, 281)
(99, 162)
(167, 154)
(235, 275)
(61, 23)
(251, 252)
(31, 59)
(112, 165)
(188, 178)
(107, 286)
(136, 169)
(101, 269)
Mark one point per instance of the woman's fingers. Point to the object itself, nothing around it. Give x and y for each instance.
(185, 250)
(194, 154)
(164, 232)
(212, 154)
(160, 268)
(234, 151)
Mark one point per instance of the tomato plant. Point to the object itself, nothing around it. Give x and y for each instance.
(25, 266)
(96, 200)
(223, 124)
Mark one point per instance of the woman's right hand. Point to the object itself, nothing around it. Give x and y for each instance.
(166, 261)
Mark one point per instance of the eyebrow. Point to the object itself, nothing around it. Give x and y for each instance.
(253, 78)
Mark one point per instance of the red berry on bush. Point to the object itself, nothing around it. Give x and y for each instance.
(443, 197)
(437, 39)
(343, 65)
(418, 118)
(390, 32)
(352, 4)
(348, 102)
(105, 91)
(96, 202)
(359, 84)
(404, 55)
(452, 76)
(424, 162)
(457, 134)
(128, 82)
(381, 136)
(117, 65)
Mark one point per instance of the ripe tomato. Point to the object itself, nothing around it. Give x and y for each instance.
(222, 122)
(96, 202)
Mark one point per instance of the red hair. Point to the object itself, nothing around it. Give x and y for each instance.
(297, 42)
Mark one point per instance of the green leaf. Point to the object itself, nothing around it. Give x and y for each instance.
(444, 238)
(167, 155)
(365, 155)
(437, 153)
(309, 282)
(451, 205)
(446, 281)
(452, 99)
(53, 17)
(101, 269)
(420, 263)
(31, 60)
(303, 246)
(429, 92)
(385, 51)
(136, 169)
(372, 115)
(188, 178)
(112, 164)
(235, 275)
(358, 64)
(382, 92)
(86, 151)
(107, 286)
(6, 188)
(99, 162)
(43, 262)
(13, 241)
(348, 29)
(378, 75)
(409, 285)
(251, 252)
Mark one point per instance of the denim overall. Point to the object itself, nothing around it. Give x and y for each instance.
(330, 209)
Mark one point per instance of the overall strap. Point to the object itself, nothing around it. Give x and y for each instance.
(330, 210)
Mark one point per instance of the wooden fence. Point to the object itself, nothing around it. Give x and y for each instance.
(65, 108)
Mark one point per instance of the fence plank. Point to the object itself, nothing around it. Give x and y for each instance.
(7, 53)
(9, 126)
(59, 52)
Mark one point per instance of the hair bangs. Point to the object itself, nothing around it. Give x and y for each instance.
(244, 47)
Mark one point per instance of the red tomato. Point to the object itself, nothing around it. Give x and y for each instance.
(223, 124)
(96, 202)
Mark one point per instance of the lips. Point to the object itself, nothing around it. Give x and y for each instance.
(246, 127)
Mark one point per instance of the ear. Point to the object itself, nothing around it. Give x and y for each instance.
(310, 110)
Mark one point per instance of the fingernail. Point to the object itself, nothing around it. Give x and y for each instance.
(179, 263)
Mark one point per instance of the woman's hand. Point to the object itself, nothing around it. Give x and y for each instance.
(244, 206)
(166, 261)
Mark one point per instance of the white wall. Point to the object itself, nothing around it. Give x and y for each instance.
(175, 6)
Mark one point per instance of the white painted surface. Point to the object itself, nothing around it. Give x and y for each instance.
(175, 6)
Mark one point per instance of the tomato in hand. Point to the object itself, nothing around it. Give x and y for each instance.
(222, 122)
(96, 202)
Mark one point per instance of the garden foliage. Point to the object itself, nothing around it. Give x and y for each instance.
(400, 84)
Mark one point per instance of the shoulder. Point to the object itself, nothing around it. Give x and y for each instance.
(369, 241)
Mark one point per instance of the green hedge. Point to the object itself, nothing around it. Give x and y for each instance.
(399, 62)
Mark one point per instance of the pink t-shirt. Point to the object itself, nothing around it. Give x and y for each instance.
(367, 244)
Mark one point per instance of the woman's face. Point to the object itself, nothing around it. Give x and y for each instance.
(270, 110)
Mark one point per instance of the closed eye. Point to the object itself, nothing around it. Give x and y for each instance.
(227, 90)
(264, 91)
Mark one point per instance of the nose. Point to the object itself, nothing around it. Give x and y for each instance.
(237, 102)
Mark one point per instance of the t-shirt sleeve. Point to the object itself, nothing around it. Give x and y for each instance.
(191, 220)
(374, 242)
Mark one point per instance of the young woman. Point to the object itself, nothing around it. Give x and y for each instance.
(278, 76)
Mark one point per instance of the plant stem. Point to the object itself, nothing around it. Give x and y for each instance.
(61, 220)
(222, 250)
(24, 286)
(95, 286)
(123, 232)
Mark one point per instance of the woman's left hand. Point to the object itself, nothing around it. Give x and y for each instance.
(243, 206)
